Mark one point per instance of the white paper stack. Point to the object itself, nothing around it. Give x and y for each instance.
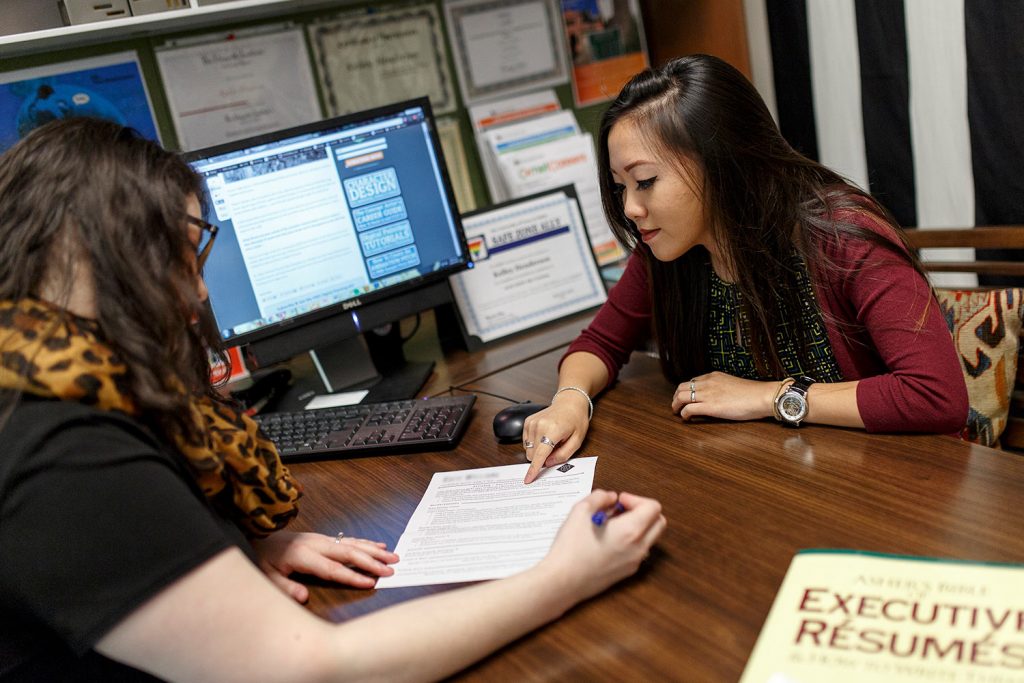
(565, 161)
(524, 135)
(528, 144)
(489, 116)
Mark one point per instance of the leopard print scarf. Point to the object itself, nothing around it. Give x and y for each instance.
(49, 353)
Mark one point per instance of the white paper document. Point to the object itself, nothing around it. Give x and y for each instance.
(474, 525)
(341, 398)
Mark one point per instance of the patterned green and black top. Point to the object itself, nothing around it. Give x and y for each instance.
(725, 349)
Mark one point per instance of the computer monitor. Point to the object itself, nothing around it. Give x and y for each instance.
(328, 231)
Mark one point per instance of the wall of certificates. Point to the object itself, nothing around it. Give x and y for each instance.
(514, 84)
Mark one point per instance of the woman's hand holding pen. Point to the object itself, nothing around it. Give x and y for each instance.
(589, 557)
(333, 558)
(551, 436)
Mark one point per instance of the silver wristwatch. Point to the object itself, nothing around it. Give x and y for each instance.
(791, 405)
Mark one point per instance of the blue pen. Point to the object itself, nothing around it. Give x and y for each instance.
(602, 516)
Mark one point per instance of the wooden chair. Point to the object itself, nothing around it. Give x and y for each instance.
(1002, 237)
(1009, 237)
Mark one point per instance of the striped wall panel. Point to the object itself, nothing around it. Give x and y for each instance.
(921, 102)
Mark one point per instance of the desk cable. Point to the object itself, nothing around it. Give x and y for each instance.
(470, 390)
(462, 387)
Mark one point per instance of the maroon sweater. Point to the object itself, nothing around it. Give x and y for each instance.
(910, 375)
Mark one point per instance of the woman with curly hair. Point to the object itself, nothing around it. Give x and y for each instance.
(138, 508)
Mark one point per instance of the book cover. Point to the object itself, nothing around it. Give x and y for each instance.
(849, 616)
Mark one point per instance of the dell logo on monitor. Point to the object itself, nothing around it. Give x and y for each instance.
(347, 305)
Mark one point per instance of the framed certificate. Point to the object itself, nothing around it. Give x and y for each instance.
(369, 60)
(224, 87)
(532, 264)
(505, 46)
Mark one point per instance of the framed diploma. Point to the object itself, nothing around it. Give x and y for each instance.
(532, 264)
(230, 86)
(506, 46)
(369, 60)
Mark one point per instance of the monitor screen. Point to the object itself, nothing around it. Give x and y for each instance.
(327, 217)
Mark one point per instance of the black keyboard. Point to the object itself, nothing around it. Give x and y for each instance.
(430, 424)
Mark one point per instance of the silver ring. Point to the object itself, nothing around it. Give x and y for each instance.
(547, 442)
(527, 444)
(693, 386)
(339, 536)
(693, 395)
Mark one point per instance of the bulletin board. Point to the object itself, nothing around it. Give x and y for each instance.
(147, 49)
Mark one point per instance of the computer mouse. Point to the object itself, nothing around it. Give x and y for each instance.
(508, 423)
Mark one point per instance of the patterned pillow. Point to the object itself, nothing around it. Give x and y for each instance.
(986, 328)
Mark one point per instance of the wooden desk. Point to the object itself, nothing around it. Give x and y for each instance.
(460, 366)
(740, 498)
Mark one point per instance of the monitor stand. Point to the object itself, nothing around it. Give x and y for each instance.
(403, 383)
(373, 361)
(354, 364)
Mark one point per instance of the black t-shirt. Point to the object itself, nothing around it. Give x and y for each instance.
(95, 518)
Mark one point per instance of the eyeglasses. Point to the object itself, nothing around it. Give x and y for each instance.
(209, 233)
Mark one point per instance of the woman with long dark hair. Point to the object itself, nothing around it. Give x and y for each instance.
(772, 286)
(137, 508)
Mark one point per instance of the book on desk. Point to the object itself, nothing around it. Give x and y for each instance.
(851, 616)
